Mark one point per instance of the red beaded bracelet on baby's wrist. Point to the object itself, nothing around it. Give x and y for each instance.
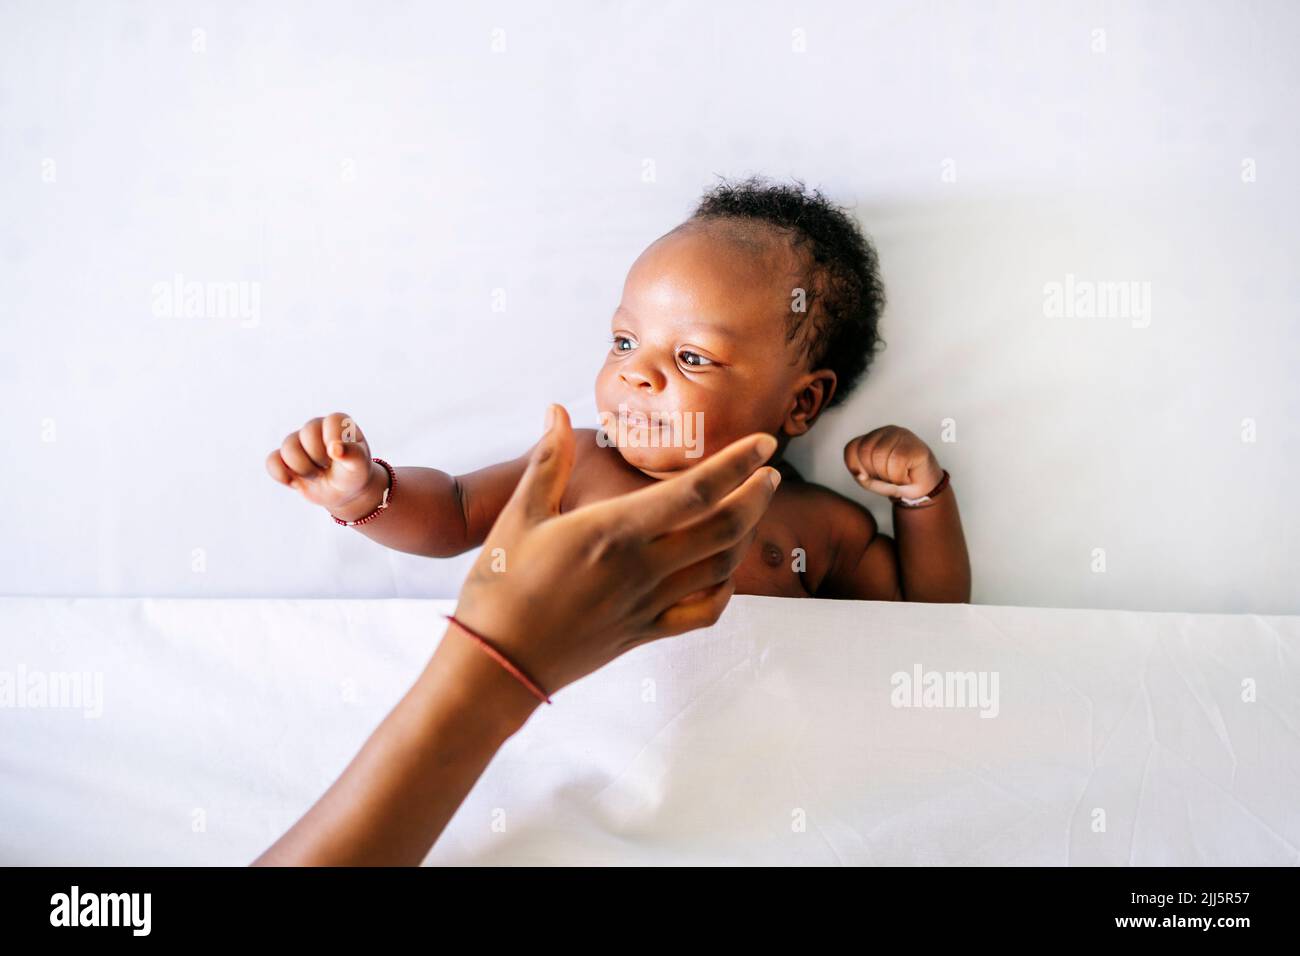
(383, 502)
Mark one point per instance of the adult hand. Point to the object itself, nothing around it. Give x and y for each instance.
(575, 591)
(562, 595)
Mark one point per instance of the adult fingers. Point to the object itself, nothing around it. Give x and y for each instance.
(540, 489)
(700, 611)
(732, 521)
(706, 573)
(668, 504)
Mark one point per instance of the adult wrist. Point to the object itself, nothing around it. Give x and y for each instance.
(461, 677)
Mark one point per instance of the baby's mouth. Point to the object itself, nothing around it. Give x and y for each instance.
(645, 424)
(638, 428)
(654, 422)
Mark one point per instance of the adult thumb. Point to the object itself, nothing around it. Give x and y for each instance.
(541, 488)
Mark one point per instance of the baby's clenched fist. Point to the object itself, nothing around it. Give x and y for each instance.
(893, 462)
(328, 461)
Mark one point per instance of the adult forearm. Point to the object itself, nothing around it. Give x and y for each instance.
(399, 792)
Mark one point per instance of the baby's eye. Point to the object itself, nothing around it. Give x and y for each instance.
(694, 359)
(623, 344)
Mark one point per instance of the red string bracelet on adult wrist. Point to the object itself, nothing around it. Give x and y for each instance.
(514, 670)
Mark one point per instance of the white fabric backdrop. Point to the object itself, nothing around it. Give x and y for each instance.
(379, 170)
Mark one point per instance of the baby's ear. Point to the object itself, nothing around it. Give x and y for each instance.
(814, 392)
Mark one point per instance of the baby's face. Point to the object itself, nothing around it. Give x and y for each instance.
(699, 340)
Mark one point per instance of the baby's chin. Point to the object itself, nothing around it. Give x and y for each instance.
(656, 461)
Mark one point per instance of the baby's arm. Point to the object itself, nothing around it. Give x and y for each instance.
(864, 563)
(932, 559)
(433, 513)
(430, 512)
(918, 566)
(930, 553)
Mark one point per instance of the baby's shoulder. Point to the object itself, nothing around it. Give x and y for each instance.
(831, 515)
(832, 530)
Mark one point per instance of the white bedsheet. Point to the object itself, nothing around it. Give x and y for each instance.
(770, 738)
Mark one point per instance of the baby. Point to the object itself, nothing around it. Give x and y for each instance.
(756, 314)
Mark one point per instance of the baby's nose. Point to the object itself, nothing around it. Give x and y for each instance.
(638, 377)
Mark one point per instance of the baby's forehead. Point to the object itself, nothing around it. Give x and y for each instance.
(725, 255)
(752, 238)
(737, 279)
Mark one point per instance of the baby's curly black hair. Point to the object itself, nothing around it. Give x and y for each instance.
(843, 293)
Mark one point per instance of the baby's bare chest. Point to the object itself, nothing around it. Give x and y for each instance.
(787, 557)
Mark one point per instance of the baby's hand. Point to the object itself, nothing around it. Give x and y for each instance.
(892, 461)
(328, 462)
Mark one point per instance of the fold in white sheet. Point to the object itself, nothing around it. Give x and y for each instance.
(777, 736)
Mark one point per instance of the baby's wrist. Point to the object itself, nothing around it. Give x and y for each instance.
(933, 473)
(366, 500)
(937, 485)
